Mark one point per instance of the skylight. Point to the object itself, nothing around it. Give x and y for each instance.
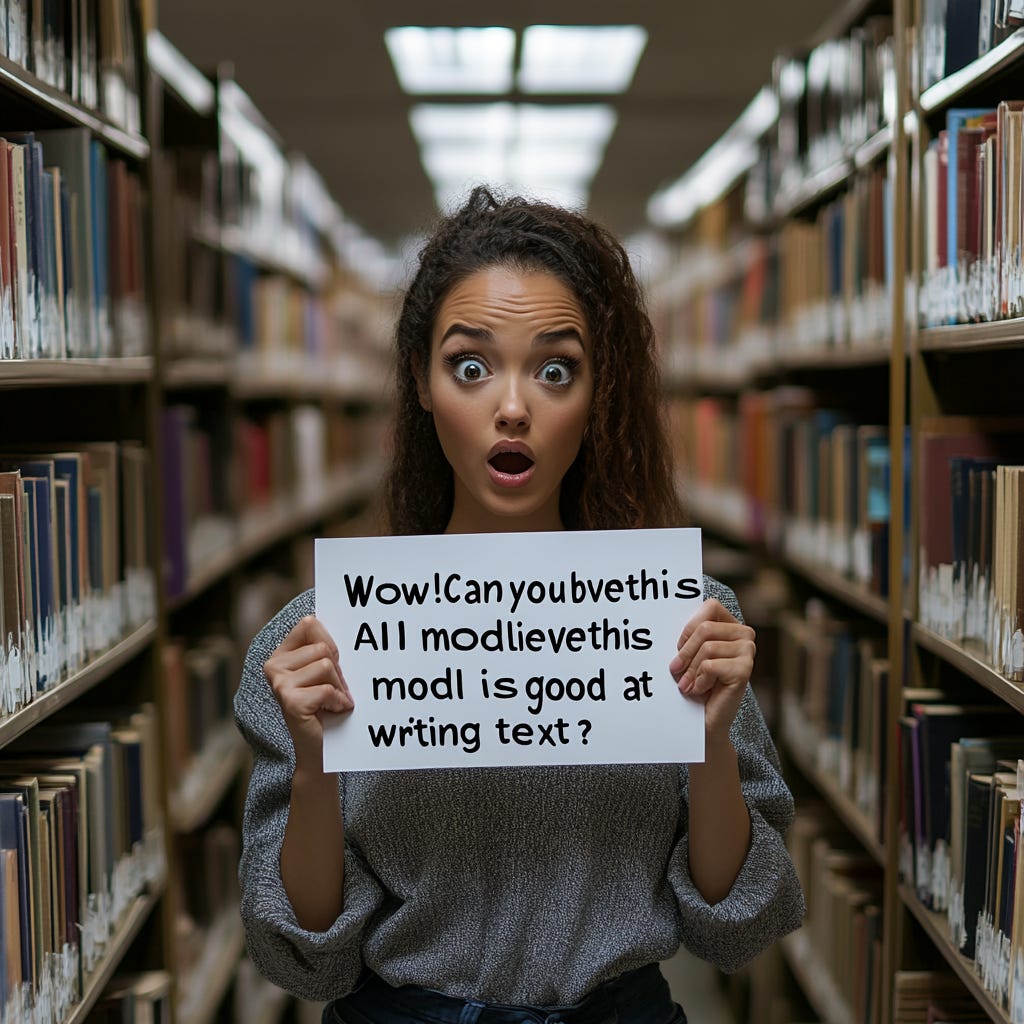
(452, 60)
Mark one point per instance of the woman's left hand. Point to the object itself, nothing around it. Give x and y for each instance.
(713, 663)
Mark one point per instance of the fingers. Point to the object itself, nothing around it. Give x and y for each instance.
(704, 632)
(308, 701)
(711, 610)
(304, 673)
(308, 630)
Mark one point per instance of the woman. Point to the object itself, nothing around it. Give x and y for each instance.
(527, 400)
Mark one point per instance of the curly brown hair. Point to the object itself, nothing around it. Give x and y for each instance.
(622, 476)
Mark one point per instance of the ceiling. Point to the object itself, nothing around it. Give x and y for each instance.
(320, 73)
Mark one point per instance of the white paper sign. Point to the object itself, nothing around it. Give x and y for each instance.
(510, 649)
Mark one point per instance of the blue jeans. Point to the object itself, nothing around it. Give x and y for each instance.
(637, 997)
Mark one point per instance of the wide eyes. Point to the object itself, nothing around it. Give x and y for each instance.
(469, 369)
(556, 372)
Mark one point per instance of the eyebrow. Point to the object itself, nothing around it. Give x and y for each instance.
(482, 334)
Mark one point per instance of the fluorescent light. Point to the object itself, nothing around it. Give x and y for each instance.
(452, 60)
(591, 122)
(532, 161)
(547, 152)
(580, 58)
(449, 161)
(493, 123)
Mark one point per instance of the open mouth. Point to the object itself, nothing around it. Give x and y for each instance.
(511, 463)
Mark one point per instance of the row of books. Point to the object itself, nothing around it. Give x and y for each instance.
(75, 564)
(960, 843)
(71, 254)
(199, 685)
(835, 679)
(818, 285)
(843, 927)
(970, 585)
(956, 32)
(836, 271)
(284, 457)
(804, 478)
(79, 841)
(837, 98)
(84, 48)
(972, 188)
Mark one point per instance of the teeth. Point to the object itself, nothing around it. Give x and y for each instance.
(511, 462)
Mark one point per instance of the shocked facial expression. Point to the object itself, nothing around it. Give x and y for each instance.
(510, 384)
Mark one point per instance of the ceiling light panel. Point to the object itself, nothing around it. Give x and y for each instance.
(580, 58)
(491, 123)
(452, 60)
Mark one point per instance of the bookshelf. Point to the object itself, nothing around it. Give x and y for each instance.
(80, 623)
(115, 687)
(270, 360)
(937, 340)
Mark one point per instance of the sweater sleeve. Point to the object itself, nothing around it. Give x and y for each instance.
(311, 965)
(766, 900)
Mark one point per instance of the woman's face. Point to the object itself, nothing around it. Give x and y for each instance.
(510, 385)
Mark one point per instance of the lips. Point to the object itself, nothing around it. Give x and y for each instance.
(510, 464)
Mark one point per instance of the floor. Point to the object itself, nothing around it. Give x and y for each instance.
(694, 986)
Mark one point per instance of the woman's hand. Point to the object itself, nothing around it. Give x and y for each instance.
(305, 676)
(713, 663)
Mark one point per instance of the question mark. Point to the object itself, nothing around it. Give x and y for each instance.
(585, 724)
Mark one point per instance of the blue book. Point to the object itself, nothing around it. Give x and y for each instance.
(94, 501)
(14, 836)
(956, 118)
(68, 466)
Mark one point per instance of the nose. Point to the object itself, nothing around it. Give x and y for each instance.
(512, 409)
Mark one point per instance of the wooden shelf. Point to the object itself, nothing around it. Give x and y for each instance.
(707, 515)
(309, 385)
(222, 950)
(869, 151)
(847, 811)
(1001, 334)
(838, 586)
(196, 373)
(116, 947)
(263, 528)
(836, 358)
(937, 930)
(999, 58)
(972, 665)
(207, 778)
(72, 688)
(233, 241)
(814, 979)
(52, 101)
(814, 189)
(42, 373)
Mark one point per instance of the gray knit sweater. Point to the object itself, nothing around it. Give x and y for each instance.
(511, 885)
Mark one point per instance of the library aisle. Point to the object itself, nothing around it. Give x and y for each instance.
(207, 216)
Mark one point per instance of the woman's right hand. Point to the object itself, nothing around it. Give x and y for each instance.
(305, 677)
